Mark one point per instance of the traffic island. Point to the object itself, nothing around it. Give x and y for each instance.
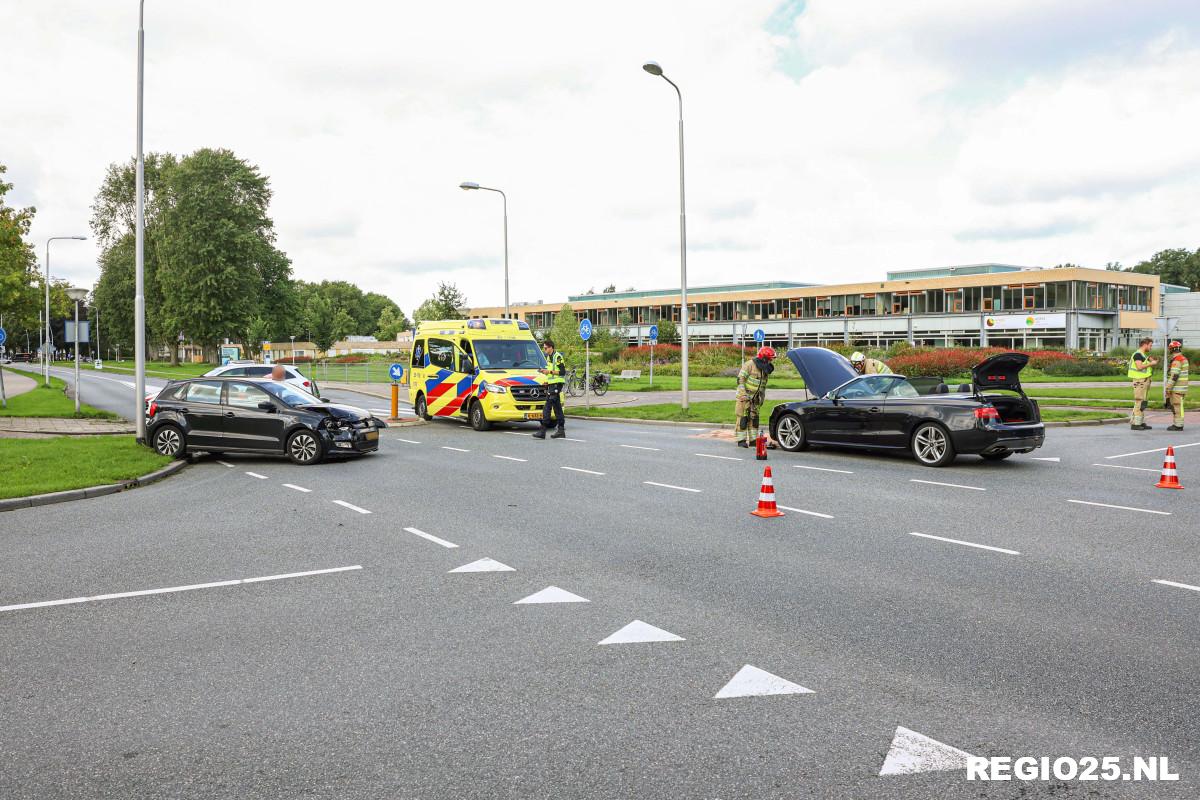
(43, 471)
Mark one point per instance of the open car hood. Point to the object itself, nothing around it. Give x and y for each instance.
(1001, 371)
(822, 370)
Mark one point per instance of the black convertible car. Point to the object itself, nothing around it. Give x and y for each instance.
(990, 417)
(250, 415)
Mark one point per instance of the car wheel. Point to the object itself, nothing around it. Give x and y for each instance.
(790, 433)
(931, 445)
(996, 456)
(169, 441)
(479, 420)
(303, 447)
(422, 408)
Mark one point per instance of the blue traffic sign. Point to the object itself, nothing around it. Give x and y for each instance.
(760, 335)
(585, 329)
(396, 371)
(3, 335)
(653, 332)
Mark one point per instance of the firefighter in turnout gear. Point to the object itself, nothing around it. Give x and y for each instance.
(1176, 383)
(1140, 368)
(555, 372)
(751, 391)
(868, 366)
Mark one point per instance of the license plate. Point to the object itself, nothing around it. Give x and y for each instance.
(534, 415)
(371, 436)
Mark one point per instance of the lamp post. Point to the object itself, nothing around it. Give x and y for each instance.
(292, 352)
(139, 299)
(47, 342)
(78, 294)
(654, 69)
(469, 185)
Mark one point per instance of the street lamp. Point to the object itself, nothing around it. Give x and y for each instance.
(78, 294)
(139, 299)
(472, 185)
(292, 352)
(47, 341)
(654, 69)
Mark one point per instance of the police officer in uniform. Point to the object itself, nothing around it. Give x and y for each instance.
(1176, 382)
(1140, 368)
(751, 391)
(555, 372)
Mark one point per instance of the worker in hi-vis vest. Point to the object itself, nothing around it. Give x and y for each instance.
(1140, 368)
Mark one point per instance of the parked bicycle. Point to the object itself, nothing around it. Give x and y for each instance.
(573, 385)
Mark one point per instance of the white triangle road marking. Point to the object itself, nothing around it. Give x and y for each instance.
(912, 752)
(638, 631)
(751, 681)
(1044, 458)
(552, 594)
(484, 565)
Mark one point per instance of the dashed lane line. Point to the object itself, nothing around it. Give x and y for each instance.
(823, 469)
(810, 513)
(672, 486)
(966, 544)
(455, 449)
(1122, 466)
(639, 447)
(407, 441)
(170, 589)
(518, 433)
(1155, 450)
(431, 538)
(225, 464)
(713, 455)
(569, 439)
(951, 485)
(1122, 508)
(1156, 580)
(351, 506)
(297, 488)
(580, 469)
(256, 475)
(509, 458)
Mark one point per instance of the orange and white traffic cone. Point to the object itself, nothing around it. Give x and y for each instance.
(1170, 478)
(766, 498)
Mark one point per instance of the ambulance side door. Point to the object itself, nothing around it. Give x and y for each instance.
(416, 370)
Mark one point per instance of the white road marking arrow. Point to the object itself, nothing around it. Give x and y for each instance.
(912, 752)
(638, 631)
(552, 594)
(484, 565)
(754, 682)
(1044, 458)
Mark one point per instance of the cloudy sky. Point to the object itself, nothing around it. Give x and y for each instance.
(827, 140)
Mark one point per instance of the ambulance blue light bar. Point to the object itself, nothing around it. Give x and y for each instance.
(523, 325)
(477, 324)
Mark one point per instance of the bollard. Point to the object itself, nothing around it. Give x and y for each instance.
(395, 400)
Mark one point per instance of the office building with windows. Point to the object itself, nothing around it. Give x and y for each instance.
(977, 304)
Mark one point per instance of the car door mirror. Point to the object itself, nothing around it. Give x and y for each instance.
(467, 365)
(267, 405)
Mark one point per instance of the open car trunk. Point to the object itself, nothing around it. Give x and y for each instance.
(1003, 372)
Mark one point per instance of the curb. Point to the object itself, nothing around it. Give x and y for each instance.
(69, 433)
(91, 491)
(1079, 423)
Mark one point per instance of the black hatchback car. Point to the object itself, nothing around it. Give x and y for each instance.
(246, 415)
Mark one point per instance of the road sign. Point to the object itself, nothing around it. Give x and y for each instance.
(653, 342)
(760, 335)
(3, 335)
(98, 364)
(396, 371)
(585, 329)
(653, 332)
(1164, 325)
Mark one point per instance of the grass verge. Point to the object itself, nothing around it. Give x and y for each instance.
(50, 401)
(37, 466)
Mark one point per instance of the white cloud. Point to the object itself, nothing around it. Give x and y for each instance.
(864, 136)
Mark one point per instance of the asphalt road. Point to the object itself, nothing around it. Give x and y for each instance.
(1034, 626)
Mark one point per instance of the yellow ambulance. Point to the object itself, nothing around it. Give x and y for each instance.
(481, 370)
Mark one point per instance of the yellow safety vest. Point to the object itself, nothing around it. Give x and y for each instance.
(558, 368)
(1138, 374)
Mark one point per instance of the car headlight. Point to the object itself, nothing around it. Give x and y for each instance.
(491, 387)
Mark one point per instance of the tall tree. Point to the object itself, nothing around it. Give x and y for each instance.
(114, 292)
(1178, 266)
(324, 323)
(447, 303)
(217, 253)
(18, 264)
(391, 322)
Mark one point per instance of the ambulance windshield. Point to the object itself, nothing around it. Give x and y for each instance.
(499, 354)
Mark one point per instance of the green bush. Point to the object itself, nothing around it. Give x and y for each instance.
(1085, 366)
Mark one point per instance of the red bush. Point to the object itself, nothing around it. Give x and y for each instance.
(947, 361)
